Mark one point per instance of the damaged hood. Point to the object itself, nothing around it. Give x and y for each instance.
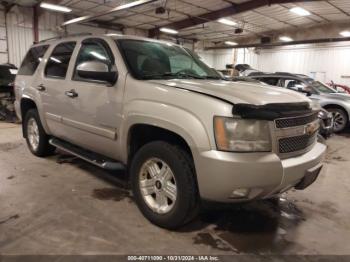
(236, 92)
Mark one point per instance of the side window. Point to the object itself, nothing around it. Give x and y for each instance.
(58, 63)
(293, 84)
(270, 80)
(93, 50)
(32, 60)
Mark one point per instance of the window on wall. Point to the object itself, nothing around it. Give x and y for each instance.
(32, 60)
(57, 64)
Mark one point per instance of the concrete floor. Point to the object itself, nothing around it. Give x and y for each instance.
(61, 205)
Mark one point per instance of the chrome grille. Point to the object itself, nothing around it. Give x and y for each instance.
(296, 143)
(295, 121)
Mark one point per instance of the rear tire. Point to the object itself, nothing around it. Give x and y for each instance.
(340, 119)
(148, 166)
(37, 139)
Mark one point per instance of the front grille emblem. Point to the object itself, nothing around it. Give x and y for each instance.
(311, 128)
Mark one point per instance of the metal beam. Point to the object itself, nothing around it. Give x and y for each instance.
(300, 42)
(227, 11)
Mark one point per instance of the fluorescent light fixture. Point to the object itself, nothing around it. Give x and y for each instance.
(75, 20)
(168, 30)
(97, 55)
(230, 43)
(286, 39)
(58, 8)
(112, 10)
(299, 11)
(227, 21)
(56, 60)
(113, 34)
(345, 33)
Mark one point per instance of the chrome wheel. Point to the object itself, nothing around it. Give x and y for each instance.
(33, 134)
(157, 185)
(339, 120)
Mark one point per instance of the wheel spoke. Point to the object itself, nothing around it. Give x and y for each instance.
(153, 169)
(147, 190)
(161, 200)
(170, 190)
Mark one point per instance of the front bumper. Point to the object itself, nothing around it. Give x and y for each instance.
(260, 175)
(326, 125)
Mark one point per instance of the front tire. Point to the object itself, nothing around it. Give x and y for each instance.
(164, 185)
(340, 119)
(37, 139)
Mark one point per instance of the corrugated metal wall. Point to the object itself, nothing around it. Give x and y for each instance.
(3, 42)
(324, 62)
(20, 31)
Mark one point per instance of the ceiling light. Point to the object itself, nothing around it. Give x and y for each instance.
(168, 30)
(57, 8)
(227, 21)
(113, 10)
(286, 39)
(75, 20)
(345, 33)
(230, 43)
(300, 11)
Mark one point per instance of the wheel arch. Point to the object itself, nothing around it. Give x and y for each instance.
(26, 104)
(328, 106)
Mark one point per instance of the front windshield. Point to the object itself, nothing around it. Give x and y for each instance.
(154, 60)
(322, 88)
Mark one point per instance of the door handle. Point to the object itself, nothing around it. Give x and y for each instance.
(41, 87)
(71, 93)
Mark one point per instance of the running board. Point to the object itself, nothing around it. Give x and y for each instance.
(91, 157)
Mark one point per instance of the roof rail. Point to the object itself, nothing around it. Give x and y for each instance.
(284, 73)
(64, 36)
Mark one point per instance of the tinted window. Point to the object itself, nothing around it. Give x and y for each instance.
(32, 60)
(58, 63)
(94, 50)
(270, 81)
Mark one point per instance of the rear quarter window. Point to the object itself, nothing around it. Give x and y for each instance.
(32, 60)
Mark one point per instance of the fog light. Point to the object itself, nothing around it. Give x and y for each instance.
(240, 193)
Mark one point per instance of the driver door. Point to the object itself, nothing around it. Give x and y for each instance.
(96, 117)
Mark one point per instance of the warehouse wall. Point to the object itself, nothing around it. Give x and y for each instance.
(324, 62)
(20, 36)
(3, 43)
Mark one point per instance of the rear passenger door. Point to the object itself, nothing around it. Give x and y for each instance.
(51, 83)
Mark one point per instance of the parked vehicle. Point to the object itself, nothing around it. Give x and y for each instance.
(343, 88)
(7, 98)
(333, 101)
(182, 133)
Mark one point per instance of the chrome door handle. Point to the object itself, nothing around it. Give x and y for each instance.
(41, 87)
(71, 93)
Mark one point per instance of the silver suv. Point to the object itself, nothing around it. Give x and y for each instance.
(152, 108)
(330, 99)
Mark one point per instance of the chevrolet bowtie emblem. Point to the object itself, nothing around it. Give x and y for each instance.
(311, 128)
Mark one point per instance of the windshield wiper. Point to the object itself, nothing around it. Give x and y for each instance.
(170, 74)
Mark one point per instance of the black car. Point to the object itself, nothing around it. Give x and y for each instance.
(7, 97)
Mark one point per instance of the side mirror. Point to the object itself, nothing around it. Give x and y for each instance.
(95, 70)
(305, 91)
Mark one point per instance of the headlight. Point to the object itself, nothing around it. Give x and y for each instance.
(240, 135)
